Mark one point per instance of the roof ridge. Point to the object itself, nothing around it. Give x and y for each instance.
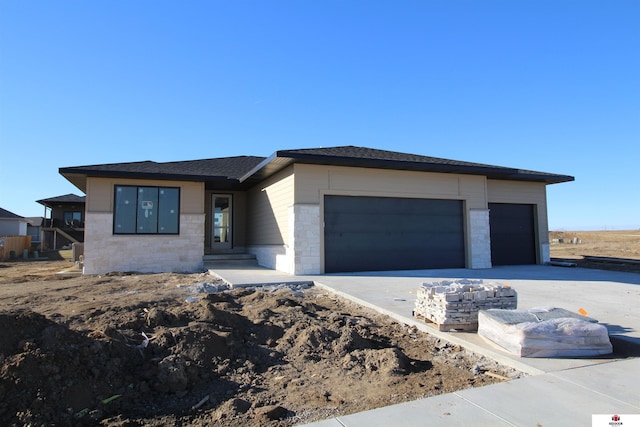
(109, 164)
(213, 158)
(328, 150)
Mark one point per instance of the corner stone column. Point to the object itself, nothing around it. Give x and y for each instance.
(480, 236)
(546, 253)
(304, 239)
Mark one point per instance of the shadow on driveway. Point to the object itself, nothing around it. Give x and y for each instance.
(506, 273)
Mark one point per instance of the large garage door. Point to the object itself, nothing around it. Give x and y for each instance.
(513, 240)
(382, 233)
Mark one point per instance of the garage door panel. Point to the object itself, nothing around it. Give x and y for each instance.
(512, 233)
(404, 226)
(375, 233)
(372, 260)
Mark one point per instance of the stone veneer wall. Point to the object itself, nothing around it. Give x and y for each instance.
(105, 252)
(304, 240)
(301, 254)
(480, 238)
(271, 256)
(546, 253)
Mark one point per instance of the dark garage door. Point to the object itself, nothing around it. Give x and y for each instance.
(383, 233)
(513, 240)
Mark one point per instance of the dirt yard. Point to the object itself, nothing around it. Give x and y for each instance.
(130, 349)
(617, 244)
(623, 244)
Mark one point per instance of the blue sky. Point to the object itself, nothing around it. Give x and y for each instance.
(552, 86)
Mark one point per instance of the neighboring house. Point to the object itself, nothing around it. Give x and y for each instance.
(12, 224)
(63, 221)
(13, 232)
(313, 211)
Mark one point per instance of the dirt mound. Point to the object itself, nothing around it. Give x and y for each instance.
(131, 351)
(49, 371)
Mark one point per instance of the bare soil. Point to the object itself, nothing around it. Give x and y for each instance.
(143, 349)
(576, 245)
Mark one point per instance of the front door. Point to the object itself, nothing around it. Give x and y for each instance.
(221, 238)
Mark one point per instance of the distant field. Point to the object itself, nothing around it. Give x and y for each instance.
(617, 244)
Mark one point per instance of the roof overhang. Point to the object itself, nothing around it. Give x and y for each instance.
(78, 177)
(282, 159)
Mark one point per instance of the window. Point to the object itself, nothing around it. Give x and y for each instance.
(146, 210)
(34, 232)
(72, 218)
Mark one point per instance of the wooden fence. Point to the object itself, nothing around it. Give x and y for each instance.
(17, 244)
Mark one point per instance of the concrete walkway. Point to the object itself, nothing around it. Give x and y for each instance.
(560, 391)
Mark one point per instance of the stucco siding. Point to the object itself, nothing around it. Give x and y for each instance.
(473, 189)
(395, 182)
(100, 193)
(313, 182)
(268, 209)
(499, 191)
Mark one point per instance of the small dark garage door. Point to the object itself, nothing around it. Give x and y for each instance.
(513, 240)
(383, 233)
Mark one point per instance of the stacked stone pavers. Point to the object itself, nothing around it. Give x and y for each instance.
(455, 304)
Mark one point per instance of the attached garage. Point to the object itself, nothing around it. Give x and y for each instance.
(388, 233)
(513, 234)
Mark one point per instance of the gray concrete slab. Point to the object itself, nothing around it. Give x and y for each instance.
(254, 275)
(619, 380)
(546, 400)
(448, 409)
(563, 391)
(331, 422)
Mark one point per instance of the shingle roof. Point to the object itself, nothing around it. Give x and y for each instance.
(67, 198)
(364, 153)
(383, 159)
(244, 171)
(223, 171)
(227, 167)
(5, 214)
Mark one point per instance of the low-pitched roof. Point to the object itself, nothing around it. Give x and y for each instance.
(5, 214)
(225, 172)
(67, 198)
(383, 159)
(245, 171)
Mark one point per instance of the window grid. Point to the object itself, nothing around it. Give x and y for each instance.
(146, 210)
